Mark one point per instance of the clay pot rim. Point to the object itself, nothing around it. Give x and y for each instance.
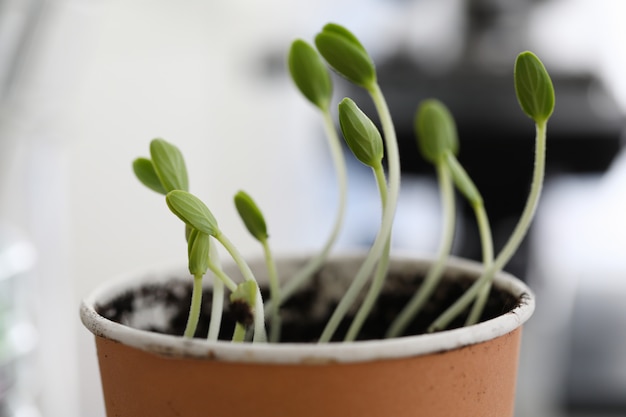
(299, 353)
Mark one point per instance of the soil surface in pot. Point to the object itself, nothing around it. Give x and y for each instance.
(163, 308)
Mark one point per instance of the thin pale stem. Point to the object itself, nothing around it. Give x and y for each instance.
(487, 249)
(393, 157)
(381, 269)
(222, 276)
(217, 305)
(260, 334)
(315, 263)
(217, 308)
(384, 233)
(514, 240)
(194, 310)
(275, 295)
(417, 302)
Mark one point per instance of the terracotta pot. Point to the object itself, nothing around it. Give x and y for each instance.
(466, 372)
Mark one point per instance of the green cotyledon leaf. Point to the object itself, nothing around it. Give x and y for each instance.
(435, 130)
(533, 87)
(346, 55)
(251, 215)
(145, 173)
(360, 133)
(310, 74)
(198, 244)
(169, 165)
(191, 210)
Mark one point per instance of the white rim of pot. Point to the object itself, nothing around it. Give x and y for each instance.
(311, 353)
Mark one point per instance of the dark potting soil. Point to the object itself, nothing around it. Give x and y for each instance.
(303, 317)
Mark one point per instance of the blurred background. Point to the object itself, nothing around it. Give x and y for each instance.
(86, 84)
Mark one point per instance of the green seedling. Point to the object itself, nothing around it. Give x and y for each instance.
(165, 172)
(366, 143)
(535, 94)
(347, 56)
(312, 78)
(340, 50)
(255, 223)
(438, 140)
(196, 215)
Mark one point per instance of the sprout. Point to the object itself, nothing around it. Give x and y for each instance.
(255, 223)
(437, 139)
(535, 95)
(343, 51)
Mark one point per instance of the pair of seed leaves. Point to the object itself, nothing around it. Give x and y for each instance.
(434, 124)
(165, 172)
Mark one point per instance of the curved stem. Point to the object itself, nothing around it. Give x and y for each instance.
(217, 309)
(260, 334)
(514, 240)
(194, 310)
(412, 309)
(384, 233)
(487, 249)
(274, 291)
(484, 229)
(223, 280)
(221, 276)
(381, 269)
(393, 157)
(314, 264)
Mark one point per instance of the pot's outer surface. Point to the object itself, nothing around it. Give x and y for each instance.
(463, 372)
(474, 381)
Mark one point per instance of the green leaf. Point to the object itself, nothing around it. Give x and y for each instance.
(360, 133)
(191, 210)
(169, 165)
(198, 252)
(343, 51)
(251, 215)
(436, 131)
(310, 74)
(533, 87)
(144, 171)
